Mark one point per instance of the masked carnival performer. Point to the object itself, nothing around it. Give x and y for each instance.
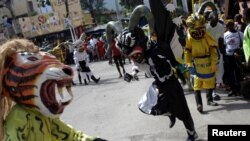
(201, 57)
(112, 29)
(29, 105)
(82, 63)
(158, 59)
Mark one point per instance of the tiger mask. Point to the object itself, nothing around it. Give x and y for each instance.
(36, 80)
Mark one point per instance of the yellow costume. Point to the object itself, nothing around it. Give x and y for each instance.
(204, 54)
(201, 57)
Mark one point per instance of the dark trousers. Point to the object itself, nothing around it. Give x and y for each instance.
(232, 73)
(118, 63)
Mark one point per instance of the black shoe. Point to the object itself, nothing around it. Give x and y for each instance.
(216, 97)
(211, 103)
(73, 83)
(200, 108)
(85, 82)
(192, 137)
(96, 80)
(172, 121)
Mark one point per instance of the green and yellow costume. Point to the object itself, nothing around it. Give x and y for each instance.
(30, 108)
(27, 124)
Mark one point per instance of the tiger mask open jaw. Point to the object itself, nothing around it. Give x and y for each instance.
(51, 91)
(38, 80)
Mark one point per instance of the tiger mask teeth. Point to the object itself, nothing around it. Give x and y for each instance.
(64, 99)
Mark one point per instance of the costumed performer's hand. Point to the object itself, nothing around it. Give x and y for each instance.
(214, 68)
(192, 70)
(128, 77)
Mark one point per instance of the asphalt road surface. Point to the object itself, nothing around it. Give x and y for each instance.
(109, 110)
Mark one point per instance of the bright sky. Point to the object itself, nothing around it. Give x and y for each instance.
(110, 4)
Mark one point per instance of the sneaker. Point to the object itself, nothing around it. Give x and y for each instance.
(216, 97)
(192, 137)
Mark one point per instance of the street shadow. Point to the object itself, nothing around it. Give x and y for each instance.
(78, 85)
(231, 107)
(108, 81)
(103, 81)
(226, 103)
(204, 112)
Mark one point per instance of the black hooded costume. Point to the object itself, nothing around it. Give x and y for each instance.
(161, 60)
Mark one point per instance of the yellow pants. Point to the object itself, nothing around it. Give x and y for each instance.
(203, 67)
(200, 84)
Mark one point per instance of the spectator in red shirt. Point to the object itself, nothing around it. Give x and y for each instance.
(100, 48)
(117, 56)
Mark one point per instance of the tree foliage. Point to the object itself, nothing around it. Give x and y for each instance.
(93, 5)
(130, 4)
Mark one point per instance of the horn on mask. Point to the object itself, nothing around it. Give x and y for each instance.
(138, 12)
(206, 4)
(113, 28)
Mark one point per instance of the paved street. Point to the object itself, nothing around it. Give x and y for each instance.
(109, 110)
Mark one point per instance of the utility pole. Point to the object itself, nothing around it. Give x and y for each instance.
(69, 22)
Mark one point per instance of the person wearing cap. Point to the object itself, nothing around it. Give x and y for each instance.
(201, 58)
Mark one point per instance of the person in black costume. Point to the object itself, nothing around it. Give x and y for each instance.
(160, 59)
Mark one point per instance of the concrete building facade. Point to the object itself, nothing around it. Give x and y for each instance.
(37, 18)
